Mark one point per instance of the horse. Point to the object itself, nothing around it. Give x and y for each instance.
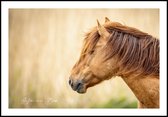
(114, 49)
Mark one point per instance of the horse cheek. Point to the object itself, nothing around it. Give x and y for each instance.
(98, 69)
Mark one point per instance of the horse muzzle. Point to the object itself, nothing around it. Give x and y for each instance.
(77, 85)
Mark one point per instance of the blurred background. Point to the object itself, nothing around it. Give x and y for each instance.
(44, 44)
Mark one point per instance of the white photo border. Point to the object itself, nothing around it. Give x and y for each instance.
(110, 4)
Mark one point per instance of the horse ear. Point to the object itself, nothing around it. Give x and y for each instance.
(101, 30)
(107, 19)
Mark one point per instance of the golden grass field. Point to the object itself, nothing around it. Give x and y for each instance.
(44, 44)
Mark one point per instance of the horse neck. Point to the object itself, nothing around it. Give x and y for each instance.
(145, 88)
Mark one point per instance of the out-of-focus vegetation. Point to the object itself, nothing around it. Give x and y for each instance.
(120, 102)
(44, 44)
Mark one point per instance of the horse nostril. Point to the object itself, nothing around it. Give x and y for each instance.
(78, 85)
(70, 83)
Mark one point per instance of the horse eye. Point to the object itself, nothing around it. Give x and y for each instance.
(91, 52)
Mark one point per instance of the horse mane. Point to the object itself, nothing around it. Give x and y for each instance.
(136, 50)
